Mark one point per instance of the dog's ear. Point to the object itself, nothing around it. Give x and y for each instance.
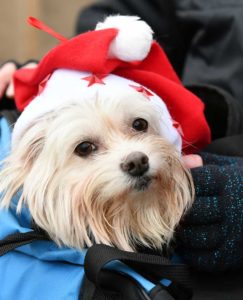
(181, 187)
(18, 164)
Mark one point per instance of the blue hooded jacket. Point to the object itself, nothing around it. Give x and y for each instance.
(42, 270)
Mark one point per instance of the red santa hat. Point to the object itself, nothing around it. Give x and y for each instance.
(120, 54)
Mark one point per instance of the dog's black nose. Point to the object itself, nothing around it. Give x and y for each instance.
(136, 164)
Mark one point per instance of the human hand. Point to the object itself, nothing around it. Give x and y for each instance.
(6, 77)
(210, 238)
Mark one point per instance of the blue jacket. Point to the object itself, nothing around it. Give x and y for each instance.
(5, 138)
(41, 270)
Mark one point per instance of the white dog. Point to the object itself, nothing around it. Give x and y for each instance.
(98, 167)
(100, 172)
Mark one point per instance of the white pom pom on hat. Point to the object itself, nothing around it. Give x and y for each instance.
(134, 39)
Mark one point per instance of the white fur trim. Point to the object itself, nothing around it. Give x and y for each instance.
(66, 87)
(134, 39)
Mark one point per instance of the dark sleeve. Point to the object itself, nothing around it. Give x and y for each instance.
(225, 118)
(213, 31)
(160, 15)
(210, 237)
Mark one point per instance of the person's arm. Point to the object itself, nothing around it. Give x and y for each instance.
(210, 238)
(213, 32)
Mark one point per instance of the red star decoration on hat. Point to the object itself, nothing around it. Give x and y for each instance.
(143, 90)
(43, 83)
(94, 78)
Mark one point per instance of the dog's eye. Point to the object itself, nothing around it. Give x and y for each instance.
(85, 148)
(140, 124)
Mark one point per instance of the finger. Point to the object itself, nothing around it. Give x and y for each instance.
(3, 86)
(6, 73)
(8, 67)
(192, 161)
(10, 90)
(30, 65)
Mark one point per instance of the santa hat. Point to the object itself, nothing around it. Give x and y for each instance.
(120, 54)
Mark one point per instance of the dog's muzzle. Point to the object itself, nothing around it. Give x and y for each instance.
(136, 165)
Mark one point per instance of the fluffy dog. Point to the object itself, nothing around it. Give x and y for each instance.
(100, 172)
(95, 155)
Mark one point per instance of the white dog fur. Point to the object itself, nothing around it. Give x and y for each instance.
(80, 200)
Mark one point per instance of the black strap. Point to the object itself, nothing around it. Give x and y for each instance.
(88, 290)
(19, 239)
(151, 267)
(91, 292)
